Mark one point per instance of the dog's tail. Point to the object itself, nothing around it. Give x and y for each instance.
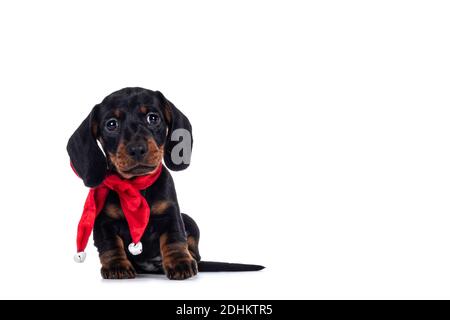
(212, 266)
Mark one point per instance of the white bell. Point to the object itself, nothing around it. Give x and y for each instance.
(135, 249)
(79, 257)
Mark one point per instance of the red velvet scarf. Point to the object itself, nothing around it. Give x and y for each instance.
(134, 206)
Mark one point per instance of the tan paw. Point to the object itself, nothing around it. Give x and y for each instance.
(118, 270)
(181, 269)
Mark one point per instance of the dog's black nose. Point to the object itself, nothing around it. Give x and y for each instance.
(137, 150)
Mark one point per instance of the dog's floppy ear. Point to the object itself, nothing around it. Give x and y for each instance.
(178, 147)
(85, 155)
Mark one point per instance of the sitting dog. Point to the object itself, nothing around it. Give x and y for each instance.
(136, 128)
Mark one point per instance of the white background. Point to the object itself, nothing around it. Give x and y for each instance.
(321, 141)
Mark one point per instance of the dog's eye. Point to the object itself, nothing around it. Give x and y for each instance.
(153, 118)
(112, 124)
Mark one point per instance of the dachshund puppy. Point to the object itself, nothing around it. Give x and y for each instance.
(135, 128)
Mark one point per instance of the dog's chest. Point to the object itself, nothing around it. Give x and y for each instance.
(114, 211)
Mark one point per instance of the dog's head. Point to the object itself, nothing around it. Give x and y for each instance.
(137, 128)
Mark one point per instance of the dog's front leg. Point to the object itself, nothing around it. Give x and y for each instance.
(177, 261)
(115, 264)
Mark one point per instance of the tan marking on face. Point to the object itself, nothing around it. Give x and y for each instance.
(160, 207)
(117, 113)
(143, 109)
(155, 153)
(113, 211)
(121, 160)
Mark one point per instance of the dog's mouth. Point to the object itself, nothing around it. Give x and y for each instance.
(140, 169)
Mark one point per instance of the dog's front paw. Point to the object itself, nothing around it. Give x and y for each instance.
(180, 269)
(118, 270)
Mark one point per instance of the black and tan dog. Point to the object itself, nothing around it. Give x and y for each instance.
(133, 126)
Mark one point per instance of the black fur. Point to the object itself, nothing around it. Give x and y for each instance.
(85, 155)
(127, 106)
